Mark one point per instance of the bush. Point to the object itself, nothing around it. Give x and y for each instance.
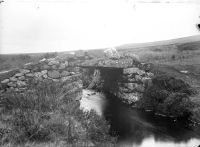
(169, 96)
(40, 115)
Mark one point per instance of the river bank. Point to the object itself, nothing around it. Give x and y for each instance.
(139, 128)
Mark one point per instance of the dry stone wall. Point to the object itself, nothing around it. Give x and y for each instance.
(53, 69)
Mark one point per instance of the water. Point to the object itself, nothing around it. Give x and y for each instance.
(141, 129)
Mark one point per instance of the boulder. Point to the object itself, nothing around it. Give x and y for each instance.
(42, 60)
(54, 62)
(45, 76)
(54, 67)
(129, 97)
(112, 53)
(13, 79)
(21, 83)
(130, 87)
(24, 71)
(62, 66)
(37, 74)
(5, 81)
(131, 70)
(46, 66)
(21, 78)
(29, 65)
(30, 75)
(11, 84)
(53, 74)
(138, 78)
(65, 73)
(19, 74)
(44, 72)
(120, 63)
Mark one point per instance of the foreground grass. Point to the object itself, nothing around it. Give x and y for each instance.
(40, 117)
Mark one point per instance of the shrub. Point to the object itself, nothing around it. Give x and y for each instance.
(169, 96)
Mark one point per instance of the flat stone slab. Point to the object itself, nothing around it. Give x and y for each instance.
(120, 63)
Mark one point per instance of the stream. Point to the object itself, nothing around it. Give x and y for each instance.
(138, 128)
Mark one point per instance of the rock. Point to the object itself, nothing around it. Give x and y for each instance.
(120, 63)
(30, 75)
(65, 73)
(71, 78)
(21, 78)
(5, 81)
(29, 65)
(129, 97)
(24, 71)
(54, 66)
(44, 72)
(11, 84)
(56, 80)
(39, 78)
(38, 74)
(149, 74)
(184, 71)
(112, 53)
(66, 63)
(46, 66)
(22, 89)
(62, 66)
(132, 70)
(53, 74)
(42, 60)
(141, 72)
(51, 59)
(16, 89)
(133, 87)
(45, 76)
(21, 83)
(19, 74)
(54, 62)
(13, 79)
(36, 68)
(138, 78)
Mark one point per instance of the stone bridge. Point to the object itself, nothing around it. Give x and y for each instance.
(120, 75)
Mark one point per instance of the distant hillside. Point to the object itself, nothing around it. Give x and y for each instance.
(160, 43)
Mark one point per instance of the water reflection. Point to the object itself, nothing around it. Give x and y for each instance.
(142, 129)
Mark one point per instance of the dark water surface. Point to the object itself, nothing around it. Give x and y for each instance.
(138, 128)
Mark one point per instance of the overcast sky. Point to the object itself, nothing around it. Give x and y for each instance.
(62, 25)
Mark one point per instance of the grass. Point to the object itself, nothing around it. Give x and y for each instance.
(39, 117)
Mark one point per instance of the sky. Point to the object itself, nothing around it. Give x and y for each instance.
(28, 26)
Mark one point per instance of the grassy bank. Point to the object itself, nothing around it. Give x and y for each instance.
(39, 117)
